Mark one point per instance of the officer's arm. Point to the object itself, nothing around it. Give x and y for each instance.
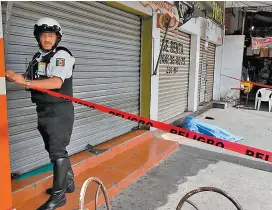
(51, 83)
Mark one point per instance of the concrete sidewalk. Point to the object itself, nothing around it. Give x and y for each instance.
(190, 168)
(196, 164)
(255, 126)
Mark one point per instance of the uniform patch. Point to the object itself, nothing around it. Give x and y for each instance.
(60, 62)
(41, 68)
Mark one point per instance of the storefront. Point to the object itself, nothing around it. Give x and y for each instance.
(107, 72)
(257, 63)
(115, 53)
(174, 75)
(182, 83)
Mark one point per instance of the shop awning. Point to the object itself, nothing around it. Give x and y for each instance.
(251, 6)
(230, 4)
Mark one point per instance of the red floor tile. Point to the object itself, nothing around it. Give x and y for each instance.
(116, 173)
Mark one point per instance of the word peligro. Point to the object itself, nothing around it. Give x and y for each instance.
(232, 146)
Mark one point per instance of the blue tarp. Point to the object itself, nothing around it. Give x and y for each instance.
(195, 125)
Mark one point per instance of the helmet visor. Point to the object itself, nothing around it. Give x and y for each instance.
(45, 28)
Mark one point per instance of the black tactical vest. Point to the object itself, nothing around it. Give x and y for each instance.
(41, 98)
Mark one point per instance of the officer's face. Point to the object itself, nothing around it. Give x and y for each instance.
(48, 40)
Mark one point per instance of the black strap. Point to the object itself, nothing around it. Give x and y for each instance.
(63, 48)
(52, 53)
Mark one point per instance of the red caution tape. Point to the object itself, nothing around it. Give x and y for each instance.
(239, 148)
(254, 83)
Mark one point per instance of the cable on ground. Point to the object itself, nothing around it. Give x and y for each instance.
(203, 189)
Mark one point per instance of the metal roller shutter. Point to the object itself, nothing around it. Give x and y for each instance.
(174, 75)
(210, 72)
(106, 43)
(202, 73)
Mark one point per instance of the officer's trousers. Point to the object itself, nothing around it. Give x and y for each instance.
(55, 124)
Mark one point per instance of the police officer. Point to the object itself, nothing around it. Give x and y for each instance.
(52, 68)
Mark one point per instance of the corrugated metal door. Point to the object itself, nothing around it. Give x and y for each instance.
(106, 43)
(210, 72)
(174, 75)
(202, 73)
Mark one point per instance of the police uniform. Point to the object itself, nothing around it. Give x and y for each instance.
(55, 116)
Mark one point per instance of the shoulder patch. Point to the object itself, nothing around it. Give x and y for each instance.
(60, 62)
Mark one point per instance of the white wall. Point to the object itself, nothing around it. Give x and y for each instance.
(155, 78)
(194, 71)
(233, 48)
(199, 26)
(217, 72)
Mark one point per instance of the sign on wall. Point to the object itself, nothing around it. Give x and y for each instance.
(180, 12)
(214, 10)
(173, 56)
(164, 10)
(259, 42)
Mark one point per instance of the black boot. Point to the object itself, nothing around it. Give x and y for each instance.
(58, 199)
(70, 181)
